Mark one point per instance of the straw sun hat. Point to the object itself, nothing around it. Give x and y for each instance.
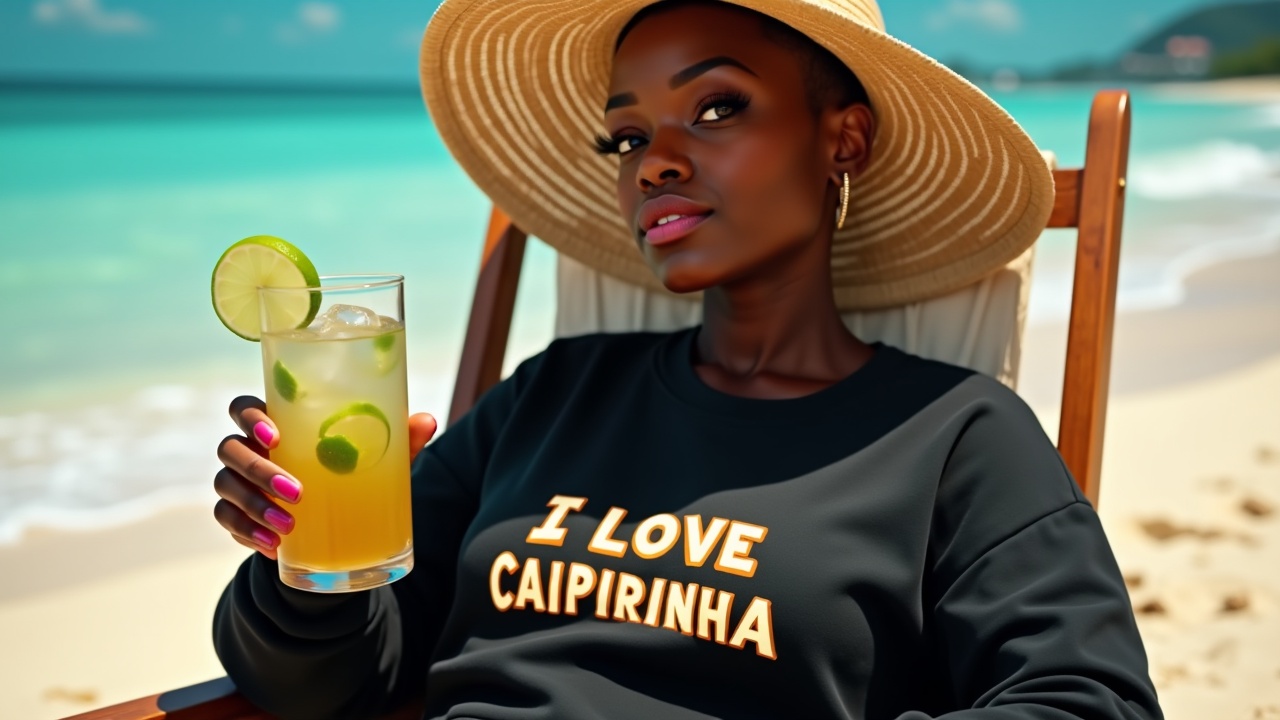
(955, 188)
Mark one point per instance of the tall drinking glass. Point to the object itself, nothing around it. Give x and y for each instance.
(337, 391)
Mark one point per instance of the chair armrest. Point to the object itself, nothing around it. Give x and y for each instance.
(212, 700)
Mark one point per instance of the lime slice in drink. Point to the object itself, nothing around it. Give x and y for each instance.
(284, 381)
(384, 356)
(337, 454)
(345, 433)
(263, 261)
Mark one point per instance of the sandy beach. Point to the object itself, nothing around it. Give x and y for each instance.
(1190, 501)
(1191, 483)
(1243, 89)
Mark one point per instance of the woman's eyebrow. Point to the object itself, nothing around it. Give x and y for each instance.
(621, 100)
(681, 78)
(688, 74)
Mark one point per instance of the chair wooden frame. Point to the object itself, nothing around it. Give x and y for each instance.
(1090, 199)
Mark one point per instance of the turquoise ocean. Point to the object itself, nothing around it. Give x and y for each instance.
(114, 205)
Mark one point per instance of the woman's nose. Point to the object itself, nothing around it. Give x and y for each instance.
(664, 161)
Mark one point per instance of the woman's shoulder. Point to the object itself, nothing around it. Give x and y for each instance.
(959, 384)
(999, 470)
(979, 414)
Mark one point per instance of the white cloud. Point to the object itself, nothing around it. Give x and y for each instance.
(90, 15)
(319, 16)
(997, 15)
(312, 19)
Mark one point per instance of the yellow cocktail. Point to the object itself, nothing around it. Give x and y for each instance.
(336, 390)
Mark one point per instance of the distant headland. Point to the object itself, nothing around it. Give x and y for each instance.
(1240, 39)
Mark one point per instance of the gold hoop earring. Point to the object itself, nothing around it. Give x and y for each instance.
(844, 202)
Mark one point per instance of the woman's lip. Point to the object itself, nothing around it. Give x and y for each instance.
(674, 230)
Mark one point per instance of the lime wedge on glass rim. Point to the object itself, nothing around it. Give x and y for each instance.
(263, 261)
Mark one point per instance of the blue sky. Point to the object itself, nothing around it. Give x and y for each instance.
(353, 41)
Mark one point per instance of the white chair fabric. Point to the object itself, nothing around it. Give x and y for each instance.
(978, 327)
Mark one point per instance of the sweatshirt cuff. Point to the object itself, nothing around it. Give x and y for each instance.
(306, 614)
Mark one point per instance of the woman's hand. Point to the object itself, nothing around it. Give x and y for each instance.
(256, 492)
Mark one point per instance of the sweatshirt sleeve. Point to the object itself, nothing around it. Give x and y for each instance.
(308, 655)
(1029, 610)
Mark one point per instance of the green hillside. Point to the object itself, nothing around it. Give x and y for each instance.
(1231, 28)
(1261, 59)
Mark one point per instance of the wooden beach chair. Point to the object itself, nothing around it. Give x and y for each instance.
(1090, 199)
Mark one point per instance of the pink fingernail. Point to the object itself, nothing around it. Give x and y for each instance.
(265, 539)
(287, 488)
(278, 519)
(264, 433)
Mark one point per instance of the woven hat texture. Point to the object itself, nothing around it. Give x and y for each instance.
(955, 189)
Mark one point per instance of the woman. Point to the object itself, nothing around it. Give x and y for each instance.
(763, 516)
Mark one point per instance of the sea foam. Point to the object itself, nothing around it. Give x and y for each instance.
(117, 462)
(1213, 168)
(1154, 278)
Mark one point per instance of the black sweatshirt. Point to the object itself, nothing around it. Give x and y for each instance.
(605, 536)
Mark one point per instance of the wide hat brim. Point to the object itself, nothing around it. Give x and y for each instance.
(954, 191)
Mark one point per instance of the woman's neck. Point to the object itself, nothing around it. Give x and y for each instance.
(779, 339)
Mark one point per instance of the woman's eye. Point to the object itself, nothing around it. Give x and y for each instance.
(617, 146)
(716, 112)
(722, 105)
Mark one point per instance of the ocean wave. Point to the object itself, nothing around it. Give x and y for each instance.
(15, 524)
(115, 462)
(1150, 278)
(1213, 168)
(1171, 290)
(1269, 115)
(110, 461)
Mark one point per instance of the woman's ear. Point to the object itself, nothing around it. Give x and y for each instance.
(852, 129)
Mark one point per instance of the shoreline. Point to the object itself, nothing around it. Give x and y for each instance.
(1221, 326)
(1255, 89)
(1262, 88)
(50, 560)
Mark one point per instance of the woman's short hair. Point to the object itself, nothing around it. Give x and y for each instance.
(828, 81)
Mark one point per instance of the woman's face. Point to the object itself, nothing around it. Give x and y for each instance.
(717, 140)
